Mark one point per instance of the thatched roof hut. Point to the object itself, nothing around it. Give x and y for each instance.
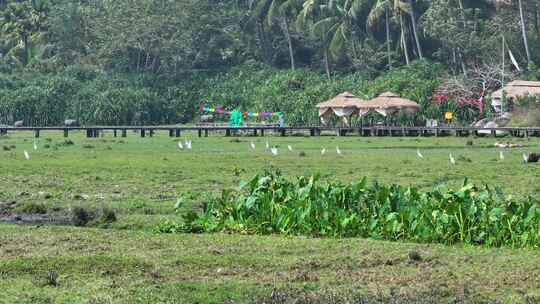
(518, 89)
(387, 103)
(343, 105)
(343, 100)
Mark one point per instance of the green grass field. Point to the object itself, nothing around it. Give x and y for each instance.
(140, 178)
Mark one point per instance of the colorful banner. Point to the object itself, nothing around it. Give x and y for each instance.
(253, 115)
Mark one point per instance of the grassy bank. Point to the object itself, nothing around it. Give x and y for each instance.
(103, 266)
(141, 178)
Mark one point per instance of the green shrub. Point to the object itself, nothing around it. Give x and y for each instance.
(107, 216)
(81, 216)
(270, 204)
(31, 208)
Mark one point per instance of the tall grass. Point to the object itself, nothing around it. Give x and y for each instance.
(272, 204)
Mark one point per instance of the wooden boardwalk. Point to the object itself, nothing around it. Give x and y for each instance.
(176, 131)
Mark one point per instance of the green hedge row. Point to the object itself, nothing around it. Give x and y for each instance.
(94, 97)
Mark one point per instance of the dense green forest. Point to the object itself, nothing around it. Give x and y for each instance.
(155, 61)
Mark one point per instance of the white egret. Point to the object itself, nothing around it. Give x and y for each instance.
(419, 154)
(180, 146)
(323, 151)
(274, 151)
(501, 155)
(252, 145)
(188, 145)
(338, 151)
(267, 145)
(452, 160)
(35, 146)
(290, 148)
(525, 158)
(26, 155)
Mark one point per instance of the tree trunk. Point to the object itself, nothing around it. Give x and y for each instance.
(524, 32)
(327, 64)
(462, 61)
(403, 41)
(415, 32)
(25, 44)
(263, 43)
(285, 28)
(388, 46)
(537, 19)
(464, 25)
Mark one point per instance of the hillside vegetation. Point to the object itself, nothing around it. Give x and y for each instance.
(154, 62)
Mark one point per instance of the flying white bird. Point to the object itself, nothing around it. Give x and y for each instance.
(525, 158)
(35, 146)
(290, 148)
(419, 154)
(274, 151)
(252, 145)
(452, 160)
(26, 155)
(501, 155)
(188, 145)
(267, 145)
(338, 151)
(180, 146)
(323, 151)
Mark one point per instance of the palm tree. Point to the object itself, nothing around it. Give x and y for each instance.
(524, 32)
(380, 8)
(331, 23)
(277, 11)
(415, 32)
(499, 3)
(21, 20)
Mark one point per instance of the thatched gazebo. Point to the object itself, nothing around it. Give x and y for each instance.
(386, 104)
(513, 91)
(343, 106)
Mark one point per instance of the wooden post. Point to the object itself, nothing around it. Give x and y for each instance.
(143, 132)
(171, 132)
(36, 133)
(66, 132)
(228, 132)
(282, 131)
(494, 133)
(124, 133)
(88, 133)
(312, 132)
(151, 132)
(115, 133)
(205, 132)
(177, 132)
(262, 132)
(200, 132)
(255, 132)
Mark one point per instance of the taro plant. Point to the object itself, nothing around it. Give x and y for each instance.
(271, 204)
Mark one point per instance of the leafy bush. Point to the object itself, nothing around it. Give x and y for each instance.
(107, 216)
(80, 216)
(270, 204)
(31, 208)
